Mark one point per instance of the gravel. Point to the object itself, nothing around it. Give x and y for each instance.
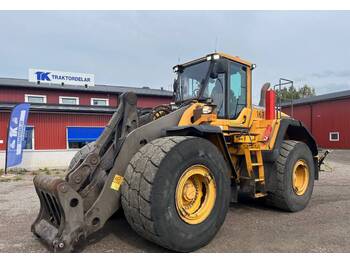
(324, 226)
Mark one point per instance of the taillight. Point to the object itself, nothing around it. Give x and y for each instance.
(267, 133)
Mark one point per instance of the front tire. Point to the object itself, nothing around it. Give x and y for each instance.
(161, 198)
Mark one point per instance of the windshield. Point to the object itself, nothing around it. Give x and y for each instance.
(190, 80)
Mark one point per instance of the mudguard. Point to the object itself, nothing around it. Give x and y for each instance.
(212, 133)
(292, 129)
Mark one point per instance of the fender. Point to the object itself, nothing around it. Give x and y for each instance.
(212, 133)
(294, 130)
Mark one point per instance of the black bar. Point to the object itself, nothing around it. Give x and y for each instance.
(7, 140)
(279, 100)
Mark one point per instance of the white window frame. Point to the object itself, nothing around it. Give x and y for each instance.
(42, 96)
(96, 98)
(68, 97)
(330, 136)
(33, 140)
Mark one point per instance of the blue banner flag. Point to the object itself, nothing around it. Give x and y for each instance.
(16, 134)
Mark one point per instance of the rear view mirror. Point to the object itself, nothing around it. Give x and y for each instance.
(175, 86)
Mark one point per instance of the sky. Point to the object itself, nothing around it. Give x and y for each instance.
(139, 48)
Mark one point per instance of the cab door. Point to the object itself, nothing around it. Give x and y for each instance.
(235, 80)
(238, 102)
(237, 90)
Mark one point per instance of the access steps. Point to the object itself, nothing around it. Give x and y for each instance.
(254, 152)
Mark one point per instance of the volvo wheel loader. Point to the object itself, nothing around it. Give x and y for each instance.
(175, 170)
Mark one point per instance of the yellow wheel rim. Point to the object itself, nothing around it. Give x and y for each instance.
(300, 177)
(195, 194)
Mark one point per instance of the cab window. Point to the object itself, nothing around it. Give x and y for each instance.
(237, 93)
(216, 90)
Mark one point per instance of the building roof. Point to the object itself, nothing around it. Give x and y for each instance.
(15, 82)
(319, 98)
(62, 108)
(35, 107)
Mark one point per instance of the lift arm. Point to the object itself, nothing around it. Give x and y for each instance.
(73, 208)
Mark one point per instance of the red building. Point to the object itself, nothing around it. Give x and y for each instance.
(326, 116)
(64, 118)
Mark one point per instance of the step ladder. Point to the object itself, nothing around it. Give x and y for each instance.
(259, 165)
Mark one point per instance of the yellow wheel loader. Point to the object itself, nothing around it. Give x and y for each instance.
(175, 170)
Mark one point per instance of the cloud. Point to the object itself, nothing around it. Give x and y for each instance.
(331, 73)
(331, 87)
(139, 48)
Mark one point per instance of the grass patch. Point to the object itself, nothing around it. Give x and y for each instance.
(33, 173)
(45, 170)
(17, 171)
(10, 179)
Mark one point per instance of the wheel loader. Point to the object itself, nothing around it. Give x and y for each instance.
(175, 170)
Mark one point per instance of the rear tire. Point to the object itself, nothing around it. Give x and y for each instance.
(286, 194)
(149, 193)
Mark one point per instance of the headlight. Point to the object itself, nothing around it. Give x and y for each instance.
(208, 57)
(216, 56)
(207, 109)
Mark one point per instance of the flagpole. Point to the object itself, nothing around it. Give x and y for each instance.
(7, 141)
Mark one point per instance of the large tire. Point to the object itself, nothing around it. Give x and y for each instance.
(81, 154)
(149, 190)
(284, 195)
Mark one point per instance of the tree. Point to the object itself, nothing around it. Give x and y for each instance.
(287, 94)
(306, 91)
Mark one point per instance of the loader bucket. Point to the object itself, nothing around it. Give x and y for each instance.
(67, 204)
(61, 215)
(74, 207)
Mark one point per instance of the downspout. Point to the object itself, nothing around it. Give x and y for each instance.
(311, 113)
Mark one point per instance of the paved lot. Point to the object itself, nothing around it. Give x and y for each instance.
(324, 226)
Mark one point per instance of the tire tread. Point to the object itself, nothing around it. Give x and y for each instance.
(277, 198)
(139, 177)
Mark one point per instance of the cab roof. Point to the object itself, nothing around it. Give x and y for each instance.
(227, 56)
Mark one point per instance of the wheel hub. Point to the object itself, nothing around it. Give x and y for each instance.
(300, 177)
(189, 192)
(195, 194)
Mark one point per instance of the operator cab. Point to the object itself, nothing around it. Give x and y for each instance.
(218, 78)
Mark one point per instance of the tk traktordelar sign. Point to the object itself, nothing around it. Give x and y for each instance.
(58, 77)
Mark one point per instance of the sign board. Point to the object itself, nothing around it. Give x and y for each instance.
(58, 77)
(16, 135)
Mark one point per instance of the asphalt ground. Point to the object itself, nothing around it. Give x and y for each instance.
(250, 226)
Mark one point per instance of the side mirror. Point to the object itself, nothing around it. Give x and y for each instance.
(175, 86)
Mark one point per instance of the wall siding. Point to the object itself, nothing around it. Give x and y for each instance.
(50, 128)
(324, 117)
(16, 95)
